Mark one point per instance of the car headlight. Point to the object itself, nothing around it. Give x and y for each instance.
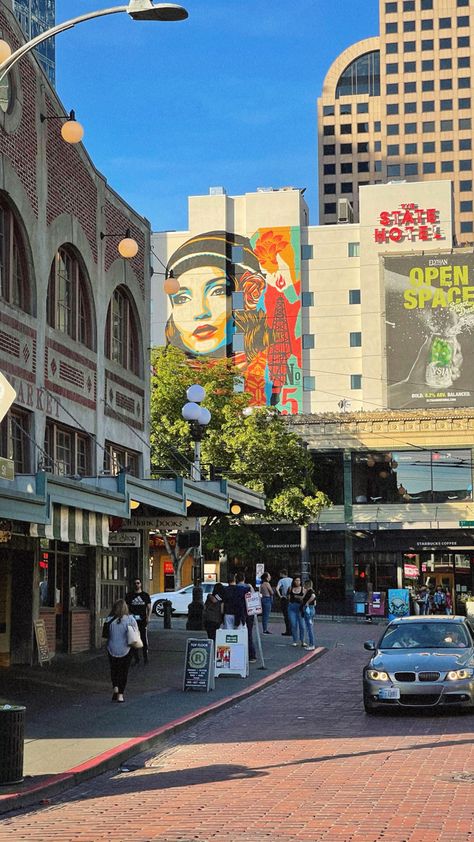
(456, 675)
(376, 675)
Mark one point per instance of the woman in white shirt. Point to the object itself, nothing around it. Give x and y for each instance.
(118, 648)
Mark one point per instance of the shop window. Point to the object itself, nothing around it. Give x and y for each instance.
(422, 476)
(121, 332)
(68, 307)
(14, 278)
(115, 576)
(15, 439)
(67, 451)
(118, 459)
(328, 474)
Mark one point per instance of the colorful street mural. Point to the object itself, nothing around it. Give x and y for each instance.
(239, 297)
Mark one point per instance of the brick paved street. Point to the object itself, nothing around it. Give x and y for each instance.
(297, 761)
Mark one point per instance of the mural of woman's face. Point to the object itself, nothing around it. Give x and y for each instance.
(200, 309)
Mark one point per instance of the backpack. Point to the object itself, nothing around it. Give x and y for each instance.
(212, 610)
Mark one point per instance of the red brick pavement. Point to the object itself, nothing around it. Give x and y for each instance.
(299, 761)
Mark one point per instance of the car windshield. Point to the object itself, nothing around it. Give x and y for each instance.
(425, 636)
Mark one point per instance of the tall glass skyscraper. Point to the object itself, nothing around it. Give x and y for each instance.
(35, 16)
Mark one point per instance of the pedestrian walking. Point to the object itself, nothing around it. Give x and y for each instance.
(448, 601)
(230, 602)
(241, 616)
(295, 601)
(118, 647)
(139, 606)
(213, 611)
(266, 592)
(439, 600)
(282, 588)
(308, 611)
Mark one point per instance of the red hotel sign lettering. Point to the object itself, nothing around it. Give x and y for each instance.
(408, 223)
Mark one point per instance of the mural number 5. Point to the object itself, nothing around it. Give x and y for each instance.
(291, 407)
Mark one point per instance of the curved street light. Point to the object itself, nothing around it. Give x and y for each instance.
(137, 9)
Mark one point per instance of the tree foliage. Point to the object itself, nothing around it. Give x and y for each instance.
(255, 449)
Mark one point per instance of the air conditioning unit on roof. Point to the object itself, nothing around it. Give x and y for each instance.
(345, 212)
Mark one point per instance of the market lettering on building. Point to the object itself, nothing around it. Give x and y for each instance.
(34, 397)
(408, 223)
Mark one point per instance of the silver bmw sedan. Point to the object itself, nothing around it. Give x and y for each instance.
(421, 662)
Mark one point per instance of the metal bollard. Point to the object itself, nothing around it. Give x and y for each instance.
(167, 606)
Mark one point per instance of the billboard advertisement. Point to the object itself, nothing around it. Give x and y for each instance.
(429, 314)
(239, 297)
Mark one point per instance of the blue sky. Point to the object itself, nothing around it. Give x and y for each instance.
(227, 97)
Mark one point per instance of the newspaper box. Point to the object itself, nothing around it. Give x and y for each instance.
(232, 656)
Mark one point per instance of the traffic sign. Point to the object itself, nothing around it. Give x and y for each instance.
(7, 396)
(466, 523)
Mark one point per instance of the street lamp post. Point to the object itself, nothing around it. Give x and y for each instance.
(198, 417)
(137, 9)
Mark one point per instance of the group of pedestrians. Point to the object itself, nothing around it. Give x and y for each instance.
(298, 605)
(226, 607)
(433, 601)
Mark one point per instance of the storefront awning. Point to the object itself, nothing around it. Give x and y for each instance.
(76, 526)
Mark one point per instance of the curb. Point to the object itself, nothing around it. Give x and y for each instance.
(42, 792)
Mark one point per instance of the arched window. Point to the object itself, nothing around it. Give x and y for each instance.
(121, 336)
(14, 285)
(68, 305)
(362, 76)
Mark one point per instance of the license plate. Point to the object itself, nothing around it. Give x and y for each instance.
(389, 693)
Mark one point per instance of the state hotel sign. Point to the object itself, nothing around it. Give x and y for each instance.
(409, 223)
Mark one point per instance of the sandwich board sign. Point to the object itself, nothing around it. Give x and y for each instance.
(232, 653)
(199, 665)
(7, 396)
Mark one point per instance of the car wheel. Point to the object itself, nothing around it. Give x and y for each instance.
(158, 608)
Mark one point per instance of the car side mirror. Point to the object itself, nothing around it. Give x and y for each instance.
(370, 645)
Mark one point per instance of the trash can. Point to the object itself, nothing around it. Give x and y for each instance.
(12, 729)
(167, 606)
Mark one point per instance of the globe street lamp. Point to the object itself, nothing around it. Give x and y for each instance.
(198, 417)
(137, 9)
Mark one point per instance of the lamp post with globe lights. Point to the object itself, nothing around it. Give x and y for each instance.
(198, 417)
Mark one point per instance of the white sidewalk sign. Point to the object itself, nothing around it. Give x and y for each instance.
(232, 652)
(253, 603)
(7, 396)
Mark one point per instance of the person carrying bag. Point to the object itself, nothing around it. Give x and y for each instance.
(123, 635)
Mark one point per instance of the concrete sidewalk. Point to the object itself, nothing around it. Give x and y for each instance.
(73, 731)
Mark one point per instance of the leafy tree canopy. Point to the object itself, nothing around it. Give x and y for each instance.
(255, 449)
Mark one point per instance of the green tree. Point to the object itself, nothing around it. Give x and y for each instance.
(251, 446)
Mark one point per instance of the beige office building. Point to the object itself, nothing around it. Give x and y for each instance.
(398, 106)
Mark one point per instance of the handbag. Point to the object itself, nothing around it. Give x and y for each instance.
(106, 628)
(133, 637)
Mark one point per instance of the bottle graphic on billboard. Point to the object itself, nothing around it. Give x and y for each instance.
(439, 371)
